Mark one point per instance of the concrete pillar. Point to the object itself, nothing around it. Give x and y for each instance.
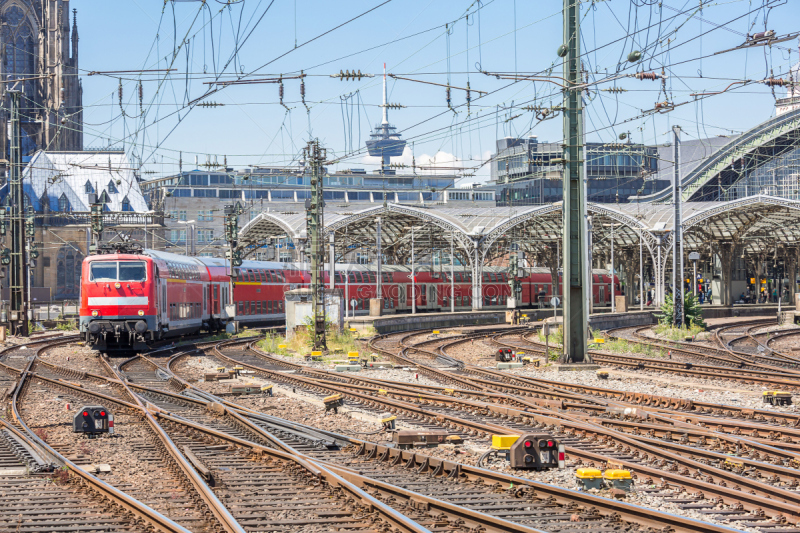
(726, 252)
(659, 260)
(629, 263)
(477, 278)
(332, 264)
(791, 272)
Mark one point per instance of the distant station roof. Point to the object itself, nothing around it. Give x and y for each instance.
(493, 230)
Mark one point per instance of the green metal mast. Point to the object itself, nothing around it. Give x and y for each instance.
(315, 156)
(574, 237)
(19, 275)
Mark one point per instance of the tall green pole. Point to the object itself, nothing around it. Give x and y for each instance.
(574, 237)
(315, 156)
(19, 278)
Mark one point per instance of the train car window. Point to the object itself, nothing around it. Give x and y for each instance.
(280, 305)
(272, 276)
(281, 277)
(241, 308)
(352, 277)
(103, 271)
(252, 307)
(268, 307)
(358, 277)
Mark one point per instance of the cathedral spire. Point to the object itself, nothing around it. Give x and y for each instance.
(75, 38)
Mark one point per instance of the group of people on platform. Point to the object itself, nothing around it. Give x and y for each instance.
(704, 294)
(764, 296)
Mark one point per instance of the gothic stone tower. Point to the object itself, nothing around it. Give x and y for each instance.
(36, 47)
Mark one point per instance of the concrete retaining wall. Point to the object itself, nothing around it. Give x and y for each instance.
(394, 323)
(621, 320)
(713, 311)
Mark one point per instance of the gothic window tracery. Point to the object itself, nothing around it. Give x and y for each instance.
(63, 203)
(68, 279)
(19, 52)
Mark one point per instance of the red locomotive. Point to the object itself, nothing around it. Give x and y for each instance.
(131, 298)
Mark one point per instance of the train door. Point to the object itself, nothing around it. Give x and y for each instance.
(421, 296)
(162, 292)
(433, 300)
(602, 289)
(215, 298)
(401, 296)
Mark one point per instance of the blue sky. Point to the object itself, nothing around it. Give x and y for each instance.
(503, 36)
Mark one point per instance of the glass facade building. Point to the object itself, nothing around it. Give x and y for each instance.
(527, 172)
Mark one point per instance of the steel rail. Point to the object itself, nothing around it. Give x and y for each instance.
(766, 494)
(217, 508)
(386, 512)
(137, 508)
(447, 468)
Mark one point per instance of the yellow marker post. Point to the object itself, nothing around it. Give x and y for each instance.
(600, 341)
(353, 329)
(281, 346)
(316, 354)
(436, 332)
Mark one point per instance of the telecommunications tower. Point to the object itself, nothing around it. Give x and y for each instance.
(384, 141)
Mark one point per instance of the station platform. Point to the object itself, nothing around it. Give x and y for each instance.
(602, 320)
(406, 322)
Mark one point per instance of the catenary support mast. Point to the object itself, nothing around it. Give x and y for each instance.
(19, 263)
(574, 237)
(315, 156)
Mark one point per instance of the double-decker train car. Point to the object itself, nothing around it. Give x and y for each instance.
(431, 288)
(132, 298)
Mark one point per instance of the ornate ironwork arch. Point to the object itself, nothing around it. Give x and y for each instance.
(460, 232)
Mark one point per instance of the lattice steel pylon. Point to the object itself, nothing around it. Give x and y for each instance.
(315, 156)
(574, 236)
(19, 263)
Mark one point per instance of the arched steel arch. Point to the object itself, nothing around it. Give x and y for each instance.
(459, 232)
(760, 199)
(499, 230)
(726, 158)
(253, 231)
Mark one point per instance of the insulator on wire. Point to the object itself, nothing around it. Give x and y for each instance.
(469, 98)
(119, 93)
(302, 88)
(448, 97)
(280, 90)
(141, 95)
(615, 90)
(647, 76)
(775, 82)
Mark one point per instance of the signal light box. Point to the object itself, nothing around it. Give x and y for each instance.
(93, 419)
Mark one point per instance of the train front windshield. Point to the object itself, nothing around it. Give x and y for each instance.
(118, 271)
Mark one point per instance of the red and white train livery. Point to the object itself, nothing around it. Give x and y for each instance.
(130, 300)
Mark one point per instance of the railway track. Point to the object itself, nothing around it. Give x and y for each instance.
(238, 463)
(515, 423)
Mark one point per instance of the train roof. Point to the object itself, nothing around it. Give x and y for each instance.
(340, 267)
(173, 258)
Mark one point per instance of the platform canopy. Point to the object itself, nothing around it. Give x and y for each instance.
(495, 231)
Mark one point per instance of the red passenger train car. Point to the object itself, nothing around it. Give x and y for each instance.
(130, 300)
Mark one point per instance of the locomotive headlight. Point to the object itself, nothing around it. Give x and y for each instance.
(141, 313)
(117, 285)
(95, 313)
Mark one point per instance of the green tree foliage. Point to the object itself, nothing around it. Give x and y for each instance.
(692, 314)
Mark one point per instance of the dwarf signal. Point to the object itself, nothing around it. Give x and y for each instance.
(93, 419)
